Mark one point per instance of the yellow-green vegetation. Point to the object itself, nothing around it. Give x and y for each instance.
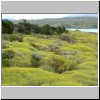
(67, 59)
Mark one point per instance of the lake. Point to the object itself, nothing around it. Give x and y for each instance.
(84, 30)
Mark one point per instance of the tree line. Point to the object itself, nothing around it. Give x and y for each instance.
(26, 28)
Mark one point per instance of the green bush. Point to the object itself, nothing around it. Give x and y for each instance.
(16, 37)
(24, 27)
(62, 64)
(6, 62)
(7, 56)
(59, 64)
(60, 29)
(71, 62)
(5, 44)
(13, 37)
(35, 60)
(46, 29)
(5, 37)
(7, 27)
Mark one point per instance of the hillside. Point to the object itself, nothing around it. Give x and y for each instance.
(67, 59)
(74, 22)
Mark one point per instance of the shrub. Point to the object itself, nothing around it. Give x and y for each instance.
(54, 48)
(24, 27)
(46, 29)
(16, 37)
(5, 44)
(60, 30)
(7, 55)
(59, 64)
(7, 26)
(71, 62)
(35, 60)
(5, 62)
(13, 37)
(62, 64)
(5, 36)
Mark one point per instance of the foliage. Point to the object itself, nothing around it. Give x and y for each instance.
(46, 29)
(7, 56)
(35, 59)
(48, 60)
(5, 44)
(7, 26)
(60, 29)
(59, 64)
(16, 37)
(13, 37)
(25, 27)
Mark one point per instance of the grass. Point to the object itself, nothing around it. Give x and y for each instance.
(16, 76)
(42, 60)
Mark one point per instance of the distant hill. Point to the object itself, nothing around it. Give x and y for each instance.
(72, 22)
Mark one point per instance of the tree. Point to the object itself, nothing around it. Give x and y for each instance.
(36, 28)
(46, 29)
(25, 27)
(60, 29)
(7, 26)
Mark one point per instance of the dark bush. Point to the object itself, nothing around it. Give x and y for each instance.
(7, 26)
(5, 62)
(60, 30)
(24, 27)
(7, 54)
(35, 60)
(46, 29)
(36, 29)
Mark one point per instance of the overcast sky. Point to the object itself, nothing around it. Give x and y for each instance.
(42, 16)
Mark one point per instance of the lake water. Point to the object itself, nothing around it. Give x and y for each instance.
(84, 30)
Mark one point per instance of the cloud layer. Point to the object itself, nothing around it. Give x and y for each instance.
(42, 16)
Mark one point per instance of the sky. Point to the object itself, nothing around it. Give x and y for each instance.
(42, 16)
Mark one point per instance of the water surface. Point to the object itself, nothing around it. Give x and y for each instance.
(84, 30)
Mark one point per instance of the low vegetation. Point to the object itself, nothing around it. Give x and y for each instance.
(66, 59)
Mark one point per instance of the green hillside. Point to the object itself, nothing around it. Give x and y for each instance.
(67, 59)
(74, 22)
